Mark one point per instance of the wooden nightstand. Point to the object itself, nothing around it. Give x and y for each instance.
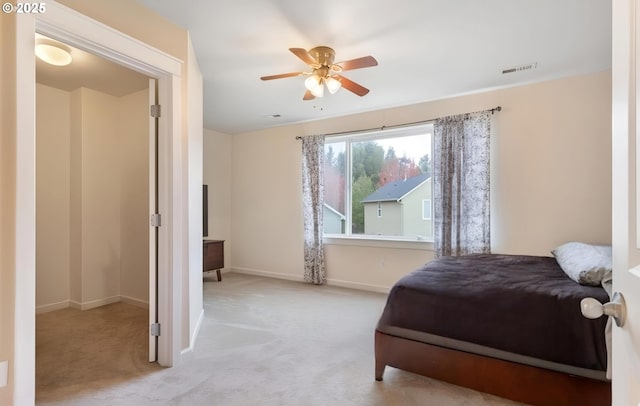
(213, 256)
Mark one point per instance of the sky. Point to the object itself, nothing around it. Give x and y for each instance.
(411, 147)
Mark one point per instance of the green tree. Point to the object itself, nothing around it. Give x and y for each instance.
(391, 154)
(367, 160)
(339, 162)
(329, 157)
(425, 165)
(362, 188)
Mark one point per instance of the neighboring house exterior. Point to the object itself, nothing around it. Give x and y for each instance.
(334, 221)
(400, 208)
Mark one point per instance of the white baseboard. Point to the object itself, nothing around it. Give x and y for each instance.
(53, 307)
(99, 302)
(300, 278)
(268, 274)
(133, 301)
(358, 286)
(92, 304)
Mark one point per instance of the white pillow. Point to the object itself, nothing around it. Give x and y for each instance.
(584, 263)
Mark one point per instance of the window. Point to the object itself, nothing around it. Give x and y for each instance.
(426, 209)
(386, 171)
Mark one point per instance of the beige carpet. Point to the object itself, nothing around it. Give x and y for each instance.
(263, 342)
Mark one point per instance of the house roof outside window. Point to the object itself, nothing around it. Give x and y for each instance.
(396, 190)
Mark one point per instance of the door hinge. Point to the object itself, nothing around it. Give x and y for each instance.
(154, 330)
(156, 220)
(155, 110)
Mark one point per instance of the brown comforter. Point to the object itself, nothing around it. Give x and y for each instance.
(520, 304)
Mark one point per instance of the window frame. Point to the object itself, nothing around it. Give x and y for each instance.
(372, 135)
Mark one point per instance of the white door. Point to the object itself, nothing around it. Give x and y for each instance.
(153, 225)
(626, 199)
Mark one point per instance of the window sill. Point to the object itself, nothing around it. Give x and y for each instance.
(381, 242)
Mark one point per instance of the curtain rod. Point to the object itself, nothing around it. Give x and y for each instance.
(385, 127)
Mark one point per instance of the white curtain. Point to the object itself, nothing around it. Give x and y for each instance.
(313, 204)
(461, 184)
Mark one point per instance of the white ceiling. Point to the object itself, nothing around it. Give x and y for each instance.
(426, 50)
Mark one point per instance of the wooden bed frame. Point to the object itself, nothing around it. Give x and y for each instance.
(523, 383)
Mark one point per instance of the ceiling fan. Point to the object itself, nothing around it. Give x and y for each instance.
(325, 72)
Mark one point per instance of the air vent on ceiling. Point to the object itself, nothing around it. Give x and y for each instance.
(520, 68)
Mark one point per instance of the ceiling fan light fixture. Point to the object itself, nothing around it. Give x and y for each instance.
(325, 72)
(314, 84)
(333, 84)
(53, 54)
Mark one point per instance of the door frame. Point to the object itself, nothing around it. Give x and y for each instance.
(78, 30)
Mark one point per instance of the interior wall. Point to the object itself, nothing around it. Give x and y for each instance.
(92, 179)
(53, 185)
(133, 127)
(75, 201)
(551, 181)
(136, 20)
(8, 214)
(217, 153)
(100, 202)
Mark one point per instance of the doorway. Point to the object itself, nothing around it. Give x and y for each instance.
(95, 249)
(80, 31)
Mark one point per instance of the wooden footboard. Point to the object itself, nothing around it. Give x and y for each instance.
(523, 383)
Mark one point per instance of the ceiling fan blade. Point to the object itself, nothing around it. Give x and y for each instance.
(308, 96)
(282, 75)
(352, 86)
(364, 62)
(304, 55)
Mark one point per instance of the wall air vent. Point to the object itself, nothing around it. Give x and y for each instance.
(520, 68)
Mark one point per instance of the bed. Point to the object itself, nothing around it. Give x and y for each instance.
(509, 325)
